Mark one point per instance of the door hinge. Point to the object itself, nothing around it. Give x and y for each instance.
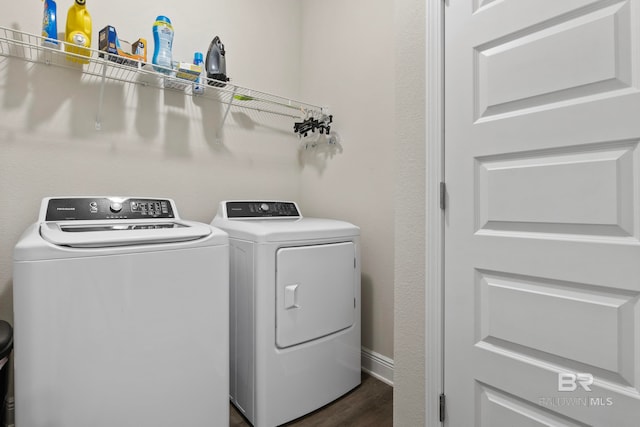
(442, 406)
(443, 195)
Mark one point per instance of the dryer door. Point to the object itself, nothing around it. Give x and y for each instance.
(315, 292)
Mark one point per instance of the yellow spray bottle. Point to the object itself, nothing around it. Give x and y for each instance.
(78, 32)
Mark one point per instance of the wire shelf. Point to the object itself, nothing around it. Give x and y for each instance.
(105, 66)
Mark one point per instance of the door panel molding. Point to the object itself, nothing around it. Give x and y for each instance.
(604, 52)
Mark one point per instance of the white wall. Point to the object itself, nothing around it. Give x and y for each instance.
(356, 57)
(410, 203)
(348, 64)
(152, 142)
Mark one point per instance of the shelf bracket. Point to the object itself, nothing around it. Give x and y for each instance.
(101, 97)
(226, 113)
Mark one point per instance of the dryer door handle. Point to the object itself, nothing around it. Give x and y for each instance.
(291, 297)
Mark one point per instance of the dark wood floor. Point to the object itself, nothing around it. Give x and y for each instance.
(370, 404)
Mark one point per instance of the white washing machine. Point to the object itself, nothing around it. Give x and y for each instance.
(294, 307)
(121, 317)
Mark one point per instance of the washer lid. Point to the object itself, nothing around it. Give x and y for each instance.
(95, 234)
(100, 221)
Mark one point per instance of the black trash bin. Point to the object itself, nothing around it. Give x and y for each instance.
(6, 345)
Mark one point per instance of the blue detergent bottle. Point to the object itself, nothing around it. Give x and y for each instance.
(163, 42)
(198, 87)
(50, 23)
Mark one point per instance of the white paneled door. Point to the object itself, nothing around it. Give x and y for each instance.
(542, 223)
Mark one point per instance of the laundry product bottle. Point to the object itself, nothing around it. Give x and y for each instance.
(50, 23)
(198, 87)
(78, 32)
(163, 42)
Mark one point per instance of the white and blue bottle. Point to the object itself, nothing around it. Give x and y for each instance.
(163, 41)
(198, 87)
(50, 24)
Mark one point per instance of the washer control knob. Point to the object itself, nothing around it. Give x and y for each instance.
(264, 207)
(115, 207)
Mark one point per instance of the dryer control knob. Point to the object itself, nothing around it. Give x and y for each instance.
(264, 207)
(115, 207)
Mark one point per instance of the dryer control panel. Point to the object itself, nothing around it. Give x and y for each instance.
(101, 208)
(261, 209)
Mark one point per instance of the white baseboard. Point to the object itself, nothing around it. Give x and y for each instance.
(377, 365)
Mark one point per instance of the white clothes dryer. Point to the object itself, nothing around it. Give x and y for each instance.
(121, 316)
(295, 309)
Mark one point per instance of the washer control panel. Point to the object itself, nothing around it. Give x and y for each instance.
(261, 209)
(91, 208)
